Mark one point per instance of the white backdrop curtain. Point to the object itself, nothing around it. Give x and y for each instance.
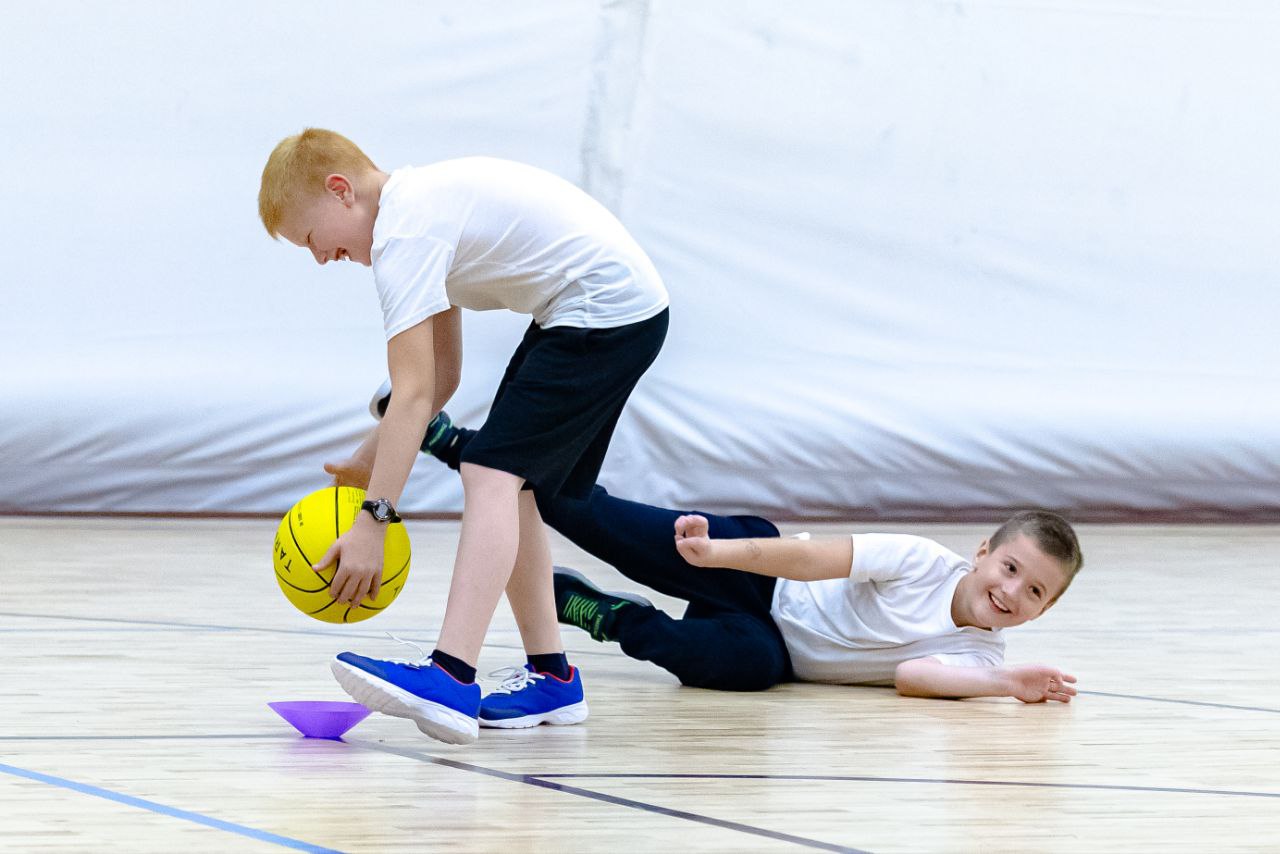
(926, 259)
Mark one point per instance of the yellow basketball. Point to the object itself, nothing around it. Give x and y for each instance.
(305, 534)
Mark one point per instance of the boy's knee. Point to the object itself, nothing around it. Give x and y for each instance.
(562, 512)
(747, 679)
(756, 670)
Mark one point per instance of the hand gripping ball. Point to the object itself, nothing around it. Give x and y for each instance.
(305, 534)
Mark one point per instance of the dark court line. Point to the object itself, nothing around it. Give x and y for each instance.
(163, 809)
(857, 778)
(536, 780)
(174, 625)
(1182, 702)
(379, 636)
(576, 652)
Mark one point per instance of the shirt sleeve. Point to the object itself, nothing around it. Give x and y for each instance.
(886, 557)
(410, 273)
(968, 659)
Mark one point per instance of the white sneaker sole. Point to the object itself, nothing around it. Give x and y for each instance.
(440, 722)
(575, 714)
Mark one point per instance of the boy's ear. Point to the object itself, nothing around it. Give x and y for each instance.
(983, 549)
(339, 187)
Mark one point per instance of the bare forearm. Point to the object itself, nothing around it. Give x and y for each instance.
(802, 560)
(1029, 683)
(923, 678)
(396, 443)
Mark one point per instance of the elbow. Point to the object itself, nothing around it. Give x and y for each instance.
(902, 680)
(416, 398)
(908, 682)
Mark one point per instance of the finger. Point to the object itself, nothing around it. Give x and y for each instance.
(376, 586)
(328, 557)
(682, 525)
(1067, 677)
(348, 590)
(362, 590)
(336, 583)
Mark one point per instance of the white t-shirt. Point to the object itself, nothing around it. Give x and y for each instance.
(484, 234)
(894, 606)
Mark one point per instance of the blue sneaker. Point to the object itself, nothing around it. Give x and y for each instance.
(526, 699)
(440, 705)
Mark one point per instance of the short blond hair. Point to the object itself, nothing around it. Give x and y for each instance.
(297, 169)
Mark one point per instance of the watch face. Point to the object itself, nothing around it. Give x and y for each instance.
(381, 509)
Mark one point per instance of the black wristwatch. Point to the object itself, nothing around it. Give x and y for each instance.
(381, 511)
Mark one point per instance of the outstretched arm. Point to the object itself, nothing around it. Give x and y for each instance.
(1030, 683)
(802, 560)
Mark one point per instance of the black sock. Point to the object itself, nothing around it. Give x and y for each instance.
(455, 667)
(555, 663)
(451, 453)
(447, 446)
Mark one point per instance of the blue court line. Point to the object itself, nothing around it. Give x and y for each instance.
(173, 812)
(855, 778)
(536, 780)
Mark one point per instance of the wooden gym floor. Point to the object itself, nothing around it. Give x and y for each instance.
(139, 655)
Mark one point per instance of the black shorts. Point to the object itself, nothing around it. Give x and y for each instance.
(559, 400)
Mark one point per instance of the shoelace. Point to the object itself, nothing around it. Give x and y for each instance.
(423, 658)
(513, 679)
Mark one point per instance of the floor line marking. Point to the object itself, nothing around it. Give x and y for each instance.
(232, 736)
(1182, 702)
(163, 809)
(536, 780)
(858, 778)
(576, 652)
(380, 636)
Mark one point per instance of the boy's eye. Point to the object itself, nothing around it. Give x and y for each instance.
(1035, 591)
(1012, 569)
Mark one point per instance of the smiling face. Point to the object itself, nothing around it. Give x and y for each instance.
(336, 225)
(1009, 585)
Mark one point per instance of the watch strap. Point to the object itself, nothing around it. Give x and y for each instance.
(378, 504)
